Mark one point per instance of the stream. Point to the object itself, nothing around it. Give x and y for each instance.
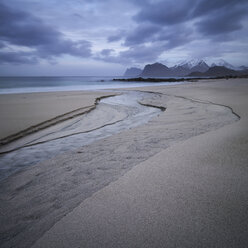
(111, 116)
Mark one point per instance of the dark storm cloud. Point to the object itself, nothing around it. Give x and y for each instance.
(142, 53)
(165, 12)
(141, 30)
(117, 36)
(141, 34)
(17, 58)
(169, 37)
(113, 38)
(20, 28)
(107, 52)
(2, 44)
(206, 7)
(172, 12)
(134, 54)
(79, 48)
(23, 29)
(222, 22)
(175, 36)
(170, 24)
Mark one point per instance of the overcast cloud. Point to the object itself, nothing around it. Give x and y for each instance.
(132, 32)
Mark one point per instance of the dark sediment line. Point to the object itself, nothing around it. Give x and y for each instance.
(209, 102)
(153, 106)
(51, 122)
(190, 99)
(65, 136)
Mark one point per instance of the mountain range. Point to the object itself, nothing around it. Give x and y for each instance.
(187, 68)
(219, 71)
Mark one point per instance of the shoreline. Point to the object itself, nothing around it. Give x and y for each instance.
(181, 79)
(31, 127)
(149, 169)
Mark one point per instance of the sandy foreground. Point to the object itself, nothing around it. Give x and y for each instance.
(180, 180)
(22, 111)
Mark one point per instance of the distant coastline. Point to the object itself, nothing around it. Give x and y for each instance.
(159, 80)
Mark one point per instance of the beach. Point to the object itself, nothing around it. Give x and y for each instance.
(177, 180)
(22, 111)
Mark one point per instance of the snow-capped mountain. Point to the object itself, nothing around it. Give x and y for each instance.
(180, 70)
(202, 66)
(189, 64)
(222, 62)
(243, 67)
(194, 65)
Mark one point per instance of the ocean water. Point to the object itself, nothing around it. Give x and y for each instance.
(10, 85)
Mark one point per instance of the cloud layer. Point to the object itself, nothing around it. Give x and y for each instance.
(168, 24)
(23, 30)
(123, 32)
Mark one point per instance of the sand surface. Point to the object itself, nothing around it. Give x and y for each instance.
(21, 111)
(179, 180)
(110, 116)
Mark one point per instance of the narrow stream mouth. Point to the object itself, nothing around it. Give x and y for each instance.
(112, 115)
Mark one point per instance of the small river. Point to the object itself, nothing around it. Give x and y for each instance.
(111, 116)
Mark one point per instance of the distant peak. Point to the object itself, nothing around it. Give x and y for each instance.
(156, 63)
(222, 62)
(192, 63)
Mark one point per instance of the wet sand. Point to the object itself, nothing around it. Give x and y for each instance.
(111, 116)
(178, 181)
(22, 111)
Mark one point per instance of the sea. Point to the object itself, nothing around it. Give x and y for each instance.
(12, 85)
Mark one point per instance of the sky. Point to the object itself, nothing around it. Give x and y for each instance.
(104, 37)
